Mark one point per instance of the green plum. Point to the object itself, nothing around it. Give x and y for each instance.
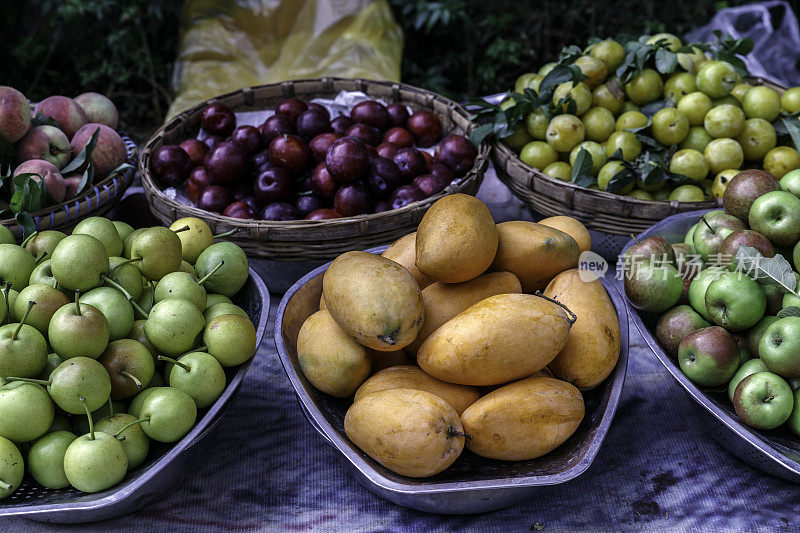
(46, 459)
(609, 96)
(724, 154)
(535, 122)
(694, 107)
(16, 265)
(232, 275)
(611, 53)
(538, 154)
(564, 133)
(757, 138)
(761, 102)
(724, 121)
(558, 170)
(168, 414)
(670, 126)
(716, 78)
(763, 400)
(626, 142)
(79, 262)
(678, 86)
(26, 411)
(631, 120)
(781, 160)
(231, 339)
(697, 139)
(690, 163)
(644, 87)
(578, 92)
(598, 124)
(12, 468)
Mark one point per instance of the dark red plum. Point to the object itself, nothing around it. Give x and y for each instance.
(366, 134)
(323, 214)
(441, 170)
(226, 163)
(319, 145)
(347, 159)
(381, 206)
(429, 160)
(320, 107)
(430, 184)
(399, 137)
(406, 194)
(387, 150)
(341, 124)
(198, 181)
(383, 177)
(260, 159)
(212, 141)
(398, 114)
(411, 163)
(196, 150)
(240, 210)
(456, 152)
(218, 119)
(276, 125)
(322, 183)
(252, 202)
(291, 107)
(426, 127)
(214, 198)
(312, 122)
(371, 113)
(249, 138)
(280, 211)
(273, 185)
(308, 203)
(171, 165)
(352, 199)
(291, 153)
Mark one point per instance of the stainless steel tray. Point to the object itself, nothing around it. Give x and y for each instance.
(472, 484)
(776, 452)
(166, 465)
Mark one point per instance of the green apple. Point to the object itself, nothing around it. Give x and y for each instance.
(790, 101)
(776, 215)
(748, 368)
(694, 107)
(631, 119)
(779, 347)
(670, 126)
(687, 193)
(697, 139)
(689, 237)
(625, 141)
(565, 132)
(538, 154)
(653, 287)
(675, 324)
(697, 290)
(724, 121)
(709, 356)
(716, 78)
(724, 154)
(757, 138)
(558, 170)
(743, 190)
(735, 301)
(763, 400)
(690, 163)
(761, 102)
(794, 419)
(645, 87)
(755, 333)
(781, 160)
(598, 124)
(649, 250)
(790, 182)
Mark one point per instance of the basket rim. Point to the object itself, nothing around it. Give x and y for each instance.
(362, 84)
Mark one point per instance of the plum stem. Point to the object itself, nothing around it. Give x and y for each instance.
(131, 377)
(89, 416)
(226, 234)
(213, 270)
(571, 319)
(121, 431)
(174, 362)
(28, 238)
(22, 322)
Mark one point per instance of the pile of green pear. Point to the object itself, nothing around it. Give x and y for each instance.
(728, 297)
(111, 338)
(706, 121)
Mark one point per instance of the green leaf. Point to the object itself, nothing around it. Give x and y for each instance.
(792, 125)
(83, 157)
(25, 220)
(559, 75)
(776, 271)
(40, 120)
(480, 133)
(620, 180)
(582, 166)
(87, 179)
(666, 61)
(789, 311)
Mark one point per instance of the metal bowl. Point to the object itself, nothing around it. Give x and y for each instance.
(472, 484)
(166, 464)
(776, 452)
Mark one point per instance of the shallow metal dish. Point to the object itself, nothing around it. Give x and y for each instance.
(776, 452)
(166, 464)
(472, 484)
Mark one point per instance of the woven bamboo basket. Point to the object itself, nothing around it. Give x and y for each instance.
(92, 202)
(597, 210)
(306, 240)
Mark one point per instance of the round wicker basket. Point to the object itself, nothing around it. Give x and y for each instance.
(95, 201)
(305, 240)
(597, 210)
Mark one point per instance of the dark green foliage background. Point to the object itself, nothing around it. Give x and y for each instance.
(126, 48)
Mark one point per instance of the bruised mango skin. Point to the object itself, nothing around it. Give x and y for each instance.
(329, 358)
(443, 301)
(572, 227)
(456, 239)
(534, 253)
(411, 432)
(374, 300)
(500, 339)
(523, 420)
(404, 251)
(412, 377)
(592, 347)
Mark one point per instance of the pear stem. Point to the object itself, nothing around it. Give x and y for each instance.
(89, 416)
(6, 292)
(174, 362)
(213, 270)
(125, 293)
(41, 258)
(28, 238)
(78, 303)
(5, 486)
(131, 377)
(185, 228)
(22, 322)
(121, 431)
(126, 262)
(226, 234)
(703, 218)
(42, 382)
(110, 407)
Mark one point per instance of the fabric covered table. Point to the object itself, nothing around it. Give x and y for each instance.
(268, 470)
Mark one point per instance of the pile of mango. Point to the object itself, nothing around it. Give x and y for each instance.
(443, 345)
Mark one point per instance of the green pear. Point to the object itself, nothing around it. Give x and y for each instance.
(16, 265)
(129, 431)
(116, 308)
(189, 269)
(79, 262)
(129, 365)
(222, 309)
(135, 408)
(199, 375)
(137, 333)
(104, 231)
(12, 467)
(53, 360)
(48, 300)
(173, 326)
(60, 423)
(46, 459)
(160, 251)
(23, 350)
(168, 414)
(26, 411)
(123, 229)
(127, 245)
(126, 275)
(231, 339)
(76, 378)
(229, 278)
(95, 462)
(181, 285)
(6, 237)
(195, 239)
(146, 300)
(44, 243)
(78, 330)
(80, 424)
(213, 299)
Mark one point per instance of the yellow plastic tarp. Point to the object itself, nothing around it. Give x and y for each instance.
(227, 45)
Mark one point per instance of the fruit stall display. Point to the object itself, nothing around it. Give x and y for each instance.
(623, 136)
(725, 302)
(311, 182)
(60, 160)
(113, 341)
(487, 332)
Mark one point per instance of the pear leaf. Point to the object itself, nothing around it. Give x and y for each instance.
(776, 271)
